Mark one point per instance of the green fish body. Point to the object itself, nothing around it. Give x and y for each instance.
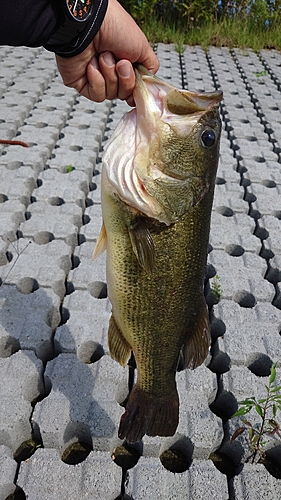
(158, 182)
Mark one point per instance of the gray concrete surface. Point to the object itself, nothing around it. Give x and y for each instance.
(58, 384)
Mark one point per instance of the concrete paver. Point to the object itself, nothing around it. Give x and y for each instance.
(59, 386)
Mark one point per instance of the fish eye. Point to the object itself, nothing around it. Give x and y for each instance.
(208, 138)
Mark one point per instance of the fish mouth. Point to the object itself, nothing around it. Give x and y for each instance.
(156, 99)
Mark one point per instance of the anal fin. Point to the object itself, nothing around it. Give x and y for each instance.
(119, 348)
(196, 347)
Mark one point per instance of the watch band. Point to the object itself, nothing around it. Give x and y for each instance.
(72, 37)
(69, 27)
(66, 32)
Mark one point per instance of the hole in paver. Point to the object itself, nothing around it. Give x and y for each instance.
(255, 214)
(244, 299)
(234, 250)
(127, 455)
(17, 495)
(69, 287)
(277, 300)
(223, 405)
(227, 459)
(250, 197)
(251, 138)
(75, 261)
(75, 148)
(268, 183)
(260, 364)
(226, 211)
(65, 315)
(55, 201)
(8, 345)
(220, 361)
(78, 435)
(14, 165)
(218, 328)
(3, 198)
(43, 237)
(272, 460)
(27, 285)
(76, 453)
(261, 233)
(220, 181)
(277, 214)
(259, 159)
(41, 125)
(98, 289)
(273, 275)
(86, 219)
(90, 352)
(26, 450)
(176, 454)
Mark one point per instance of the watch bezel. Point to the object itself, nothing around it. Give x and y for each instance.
(74, 18)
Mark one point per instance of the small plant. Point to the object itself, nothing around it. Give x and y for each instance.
(216, 287)
(69, 168)
(258, 74)
(266, 408)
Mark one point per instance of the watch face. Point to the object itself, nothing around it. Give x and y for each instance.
(79, 9)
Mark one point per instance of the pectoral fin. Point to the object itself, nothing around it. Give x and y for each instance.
(119, 348)
(101, 243)
(143, 245)
(197, 345)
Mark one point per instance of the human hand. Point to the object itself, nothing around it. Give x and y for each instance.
(104, 69)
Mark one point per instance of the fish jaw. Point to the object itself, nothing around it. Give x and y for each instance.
(145, 158)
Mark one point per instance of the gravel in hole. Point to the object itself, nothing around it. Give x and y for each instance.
(127, 455)
(176, 454)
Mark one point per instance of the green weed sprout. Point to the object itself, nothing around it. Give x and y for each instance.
(216, 287)
(69, 168)
(267, 409)
(258, 74)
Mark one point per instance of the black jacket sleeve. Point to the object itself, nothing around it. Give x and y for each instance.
(32, 22)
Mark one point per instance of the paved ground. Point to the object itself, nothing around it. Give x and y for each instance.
(58, 384)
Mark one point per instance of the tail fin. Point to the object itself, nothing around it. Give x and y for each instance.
(147, 414)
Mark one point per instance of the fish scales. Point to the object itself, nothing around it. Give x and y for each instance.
(156, 264)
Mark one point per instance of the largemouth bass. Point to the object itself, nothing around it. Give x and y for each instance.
(158, 180)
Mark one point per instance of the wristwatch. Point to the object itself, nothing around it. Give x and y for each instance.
(73, 17)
